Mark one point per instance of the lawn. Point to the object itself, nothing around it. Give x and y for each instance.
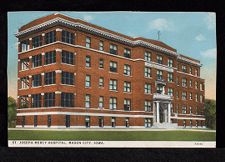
(112, 135)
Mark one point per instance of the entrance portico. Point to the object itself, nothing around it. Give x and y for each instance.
(162, 111)
(161, 103)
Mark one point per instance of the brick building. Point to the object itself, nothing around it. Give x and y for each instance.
(75, 74)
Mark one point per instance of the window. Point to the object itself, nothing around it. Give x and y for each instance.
(190, 109)
(36, 80)
(24, 101)
(113, 66)
(36, 41)
(88, 61)
(67, 57)
(25, 45)
(196, 72)
(127, 53)
(196, 98)
(113, 49)
(159, 59)
(49, 121)
(196, 85)
(87, 101)
(67, 121)
(37, 60)
(184, 123)
(190, 83)
(67, 99)
(127, 122)
(170, 92)
(67, 78)
(170, 62)
(127, 104)
(201, 86)
(101, 82)
(101, 102)
(148, 105)
(87, 121)
(36, 100)
(101, 63)
(50, 57)
(184, 109)
(127, 70)
(159, 75)
(113, 120)
(190, 70)
(87, 81)
(147, 88)
(35, 120)
(67, 37)
(197, 123)
(184, 69)
(24, 82)
(170, 77)
(147, 72)
(50, 37)
(50, 78)
(88, 42)
(201, 98)
(184, 95)
(190, 96)
(101, 121)
(160, 89)
(101, 46)
(113, 84)
(127, 87)
(24, 64)
(112, 103)
(147, 122)
(147, 56)
(49, 99)
(184, 82)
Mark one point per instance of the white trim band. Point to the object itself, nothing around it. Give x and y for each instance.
(83, 114)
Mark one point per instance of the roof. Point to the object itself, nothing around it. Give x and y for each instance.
(52, 16)
(57, 17)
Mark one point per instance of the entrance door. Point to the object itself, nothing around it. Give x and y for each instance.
(161, 114)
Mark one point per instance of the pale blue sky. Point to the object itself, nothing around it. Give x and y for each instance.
(191, 33)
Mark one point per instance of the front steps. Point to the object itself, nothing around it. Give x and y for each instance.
(165, 125)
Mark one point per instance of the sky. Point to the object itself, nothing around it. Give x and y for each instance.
(191, 33)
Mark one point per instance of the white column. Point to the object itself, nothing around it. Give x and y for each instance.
(163, 92)
(157, 107)
(169, 112)
(153, 111)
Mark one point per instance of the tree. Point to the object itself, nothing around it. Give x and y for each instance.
(210, 113)
(11, 112)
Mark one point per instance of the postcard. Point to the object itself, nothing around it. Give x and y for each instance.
(112, 79)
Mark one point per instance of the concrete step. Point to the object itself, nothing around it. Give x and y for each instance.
(165, 125)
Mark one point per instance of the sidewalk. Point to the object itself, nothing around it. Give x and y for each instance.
(114, 129)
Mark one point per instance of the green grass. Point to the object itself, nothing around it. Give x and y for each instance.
(112, 135)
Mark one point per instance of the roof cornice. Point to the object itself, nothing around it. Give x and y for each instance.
(96, 31)
(180, 57)
(78, 25)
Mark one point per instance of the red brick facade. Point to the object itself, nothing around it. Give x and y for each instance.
(181, 112)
